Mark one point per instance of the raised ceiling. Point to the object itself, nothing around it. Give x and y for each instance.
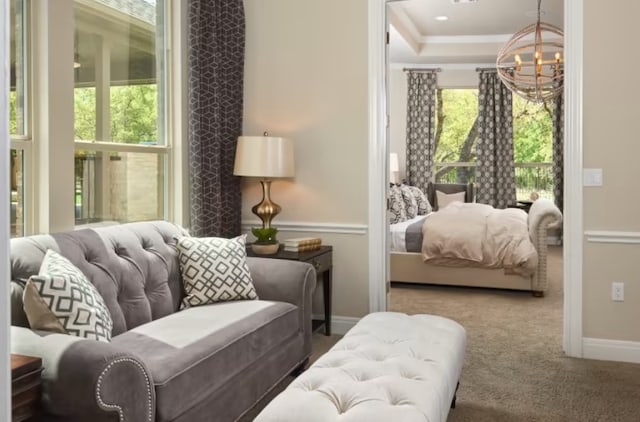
(473, 33)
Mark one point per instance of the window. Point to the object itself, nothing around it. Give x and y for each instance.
(456, 133)
(121, 154)
(18, 127)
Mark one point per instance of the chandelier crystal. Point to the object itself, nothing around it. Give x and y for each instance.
(531, 63)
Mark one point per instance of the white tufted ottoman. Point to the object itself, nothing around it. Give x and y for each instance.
(389, 367)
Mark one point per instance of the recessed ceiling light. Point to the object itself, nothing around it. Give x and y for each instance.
(442, 18)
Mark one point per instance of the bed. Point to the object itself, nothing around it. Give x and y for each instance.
(409, 266)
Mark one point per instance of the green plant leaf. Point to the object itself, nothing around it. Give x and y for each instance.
(266, 236)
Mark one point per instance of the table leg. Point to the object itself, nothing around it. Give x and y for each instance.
(326, 290)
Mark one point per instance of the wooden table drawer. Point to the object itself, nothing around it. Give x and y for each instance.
(321, 262)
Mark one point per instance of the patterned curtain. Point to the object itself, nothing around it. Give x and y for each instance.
(216, 63)
(421, 118)
(558, 151)
(496, 180)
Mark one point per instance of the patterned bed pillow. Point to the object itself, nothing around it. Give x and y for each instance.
(410, 201)
(397, 207)
(424, 207)
(214, 269)
(61, 299)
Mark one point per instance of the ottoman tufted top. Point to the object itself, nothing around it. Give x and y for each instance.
(389, 367)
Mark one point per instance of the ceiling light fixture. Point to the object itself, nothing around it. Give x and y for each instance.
(442, 18)
(531, 63)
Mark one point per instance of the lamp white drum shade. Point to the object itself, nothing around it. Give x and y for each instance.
(393, 162)
(264, 156)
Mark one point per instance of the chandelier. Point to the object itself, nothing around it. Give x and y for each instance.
(531, 63)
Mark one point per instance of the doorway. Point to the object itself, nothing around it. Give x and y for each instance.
(573, 224)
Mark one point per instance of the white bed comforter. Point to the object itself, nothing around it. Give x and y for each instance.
(464, 233)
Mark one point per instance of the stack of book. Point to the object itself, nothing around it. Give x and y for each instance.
(302, 244)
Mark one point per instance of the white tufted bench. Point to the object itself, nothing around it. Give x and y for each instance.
(389, 367)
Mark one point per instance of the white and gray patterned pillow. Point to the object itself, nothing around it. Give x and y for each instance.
(397, 207)
(214, 269)
(424, 207)
(62, 291)
(410, 202)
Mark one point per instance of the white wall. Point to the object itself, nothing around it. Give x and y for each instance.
(5, 390)
(306, 79)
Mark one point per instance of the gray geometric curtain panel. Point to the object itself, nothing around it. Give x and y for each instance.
(216, 63)
(558, 151)
(421, 118)
(495, 178)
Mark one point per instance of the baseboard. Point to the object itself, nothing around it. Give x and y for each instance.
(614, 350)
(339, 324)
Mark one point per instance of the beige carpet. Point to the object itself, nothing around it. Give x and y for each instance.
(515, 369)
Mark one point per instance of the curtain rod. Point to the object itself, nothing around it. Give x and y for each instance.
(478, 69)
(418, 69)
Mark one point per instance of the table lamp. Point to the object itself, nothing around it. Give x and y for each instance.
(266, 157)
(394, 168)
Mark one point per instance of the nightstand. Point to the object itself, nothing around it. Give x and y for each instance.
(25, 387)
(322, 261)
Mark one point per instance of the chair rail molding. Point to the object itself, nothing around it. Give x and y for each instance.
(301, 226)
(612, 236)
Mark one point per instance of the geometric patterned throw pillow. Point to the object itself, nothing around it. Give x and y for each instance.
(61, 299)
(397, 207)
(424, 207)
(410, 201)
(214, 270)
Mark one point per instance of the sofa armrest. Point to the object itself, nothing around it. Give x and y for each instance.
(543, 215)
(86, 380)
(286, 281)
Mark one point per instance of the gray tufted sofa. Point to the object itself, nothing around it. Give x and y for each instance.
(207, 363)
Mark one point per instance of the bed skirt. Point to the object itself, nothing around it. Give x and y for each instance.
(409, 268)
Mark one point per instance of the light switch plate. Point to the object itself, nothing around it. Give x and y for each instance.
(592, 177)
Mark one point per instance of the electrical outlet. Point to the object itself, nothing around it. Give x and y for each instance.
(617, 291)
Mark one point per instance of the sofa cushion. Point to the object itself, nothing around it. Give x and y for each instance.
(198, 350)
(61, 299)
(214, 269)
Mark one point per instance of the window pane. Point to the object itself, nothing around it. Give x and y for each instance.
(532, 140)
(17, 75)
(119, 98)
(17, 193)
(456, 133)
(119, 71)
(118, 187)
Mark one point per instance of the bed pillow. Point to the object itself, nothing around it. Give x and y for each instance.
(61, 299)
(410, 201)
(444, 199)
(424, 207)
(214, 269)
(397, 207)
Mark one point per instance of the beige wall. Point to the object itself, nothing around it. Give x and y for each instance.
(611, 142)
(306, 78)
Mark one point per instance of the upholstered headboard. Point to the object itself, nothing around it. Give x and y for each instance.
(449, 188)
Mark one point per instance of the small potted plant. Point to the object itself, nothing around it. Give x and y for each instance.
(266, 242)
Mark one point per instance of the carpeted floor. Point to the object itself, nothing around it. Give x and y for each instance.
(515, 370)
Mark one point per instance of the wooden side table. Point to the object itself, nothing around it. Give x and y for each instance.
(322, 261)
(25, 387)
